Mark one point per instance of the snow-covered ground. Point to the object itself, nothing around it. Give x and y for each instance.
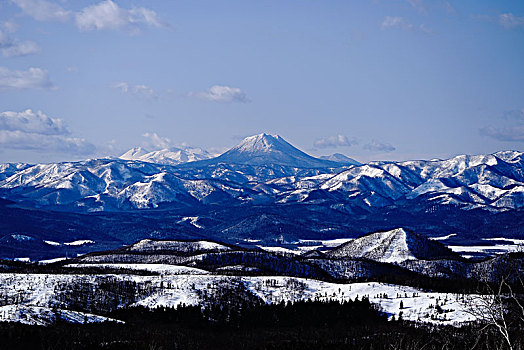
(37, 315)
(417, 305)
(80, 242)
(193, 220)
(50, 261)
(330, 243)
(163, 269)
(279, 250)
(512, 240)
(35, 295)
(467, 250)
(443, 238)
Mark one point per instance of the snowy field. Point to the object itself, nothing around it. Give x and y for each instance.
(42, 316)
(33, 295)
(163, 269)
(503, 245)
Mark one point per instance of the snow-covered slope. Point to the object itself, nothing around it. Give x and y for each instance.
(180, 247)
(44, 316)
(393, 246)
(103, 184)
(170, 156)
(44, 295)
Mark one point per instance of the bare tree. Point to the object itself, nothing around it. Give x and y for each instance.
(499, 303)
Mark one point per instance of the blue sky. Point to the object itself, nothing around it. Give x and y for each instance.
(372, 79)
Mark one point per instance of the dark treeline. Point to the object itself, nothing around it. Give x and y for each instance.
(265, 262)
(302, 325)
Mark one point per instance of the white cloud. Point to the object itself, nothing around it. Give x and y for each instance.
(516, 115)
(510, 133)
(510, 128)
(154, 141)
(37, 132)
(506, 20)
(334, 141)
(5, 39)
(33, 78)
(509, 21)
(137, 90)
(221, 93)
(31, 122)
(400, 23)
(107, 15)
(379, 146)
(396, 22)
(42, 10)
(8, 26)
(44, 143)
(11, 47)
(22, 48)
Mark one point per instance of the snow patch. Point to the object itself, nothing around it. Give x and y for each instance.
(80, 242)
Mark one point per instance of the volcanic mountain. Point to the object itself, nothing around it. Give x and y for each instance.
(264, 149)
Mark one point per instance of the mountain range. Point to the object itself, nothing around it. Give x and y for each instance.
(264, 168)
(170, 156)
(264, 188)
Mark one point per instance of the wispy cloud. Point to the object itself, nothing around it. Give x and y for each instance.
(12, 47)
(375, 145)
(42, 10)
(154, 141)
(107, 15)
(45, 143)
(515, 115)
(33, 78)
(334, 142)
(417, 5)
(20, 48)
(426, 30)
(505, 20)
(450, 9)
(36, 131)
(510, 21)
(222, 93)
(511, 131)
(396, 22)
(139, 90)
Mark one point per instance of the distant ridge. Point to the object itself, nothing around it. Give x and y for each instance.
(169, 156)
(341, 158)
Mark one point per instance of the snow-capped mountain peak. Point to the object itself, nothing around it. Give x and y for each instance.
(170, 156)
(261, 143)
(265, 149)
(134, 153)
